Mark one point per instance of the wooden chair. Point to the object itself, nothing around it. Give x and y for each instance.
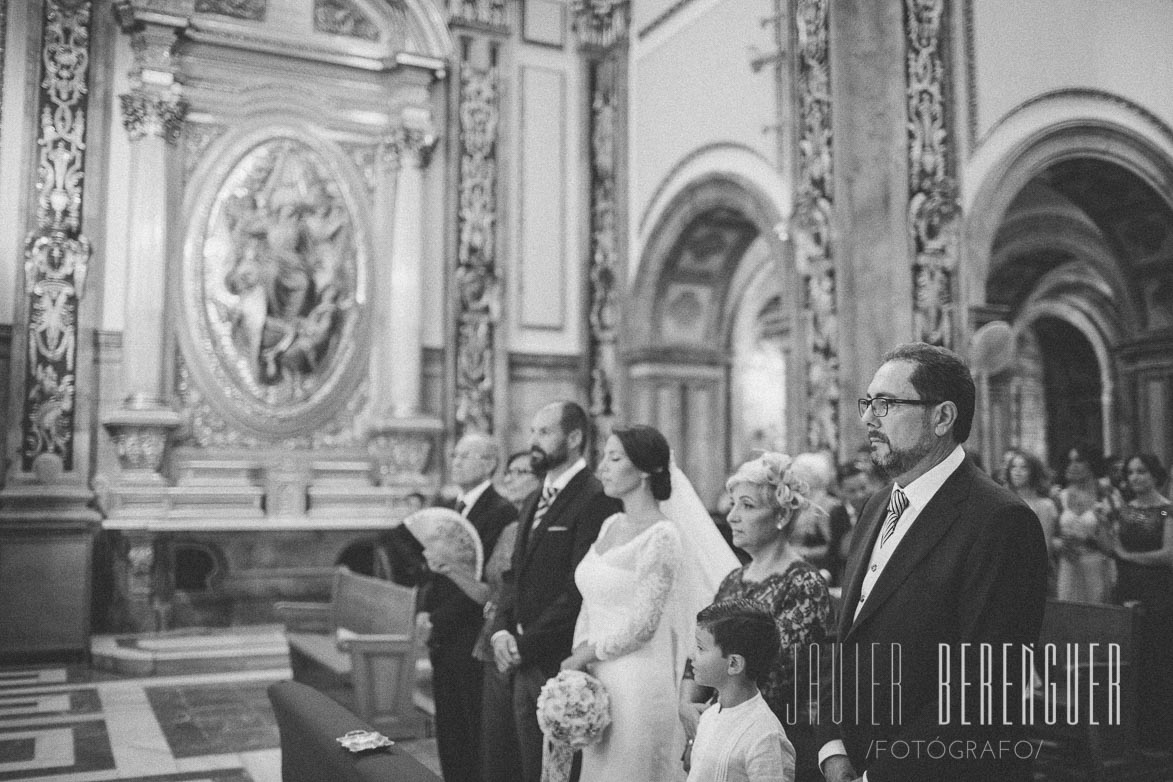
(360, 649)
(1100, 751)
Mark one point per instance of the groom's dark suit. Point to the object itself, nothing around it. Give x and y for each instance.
(540, 602)
(972, 568)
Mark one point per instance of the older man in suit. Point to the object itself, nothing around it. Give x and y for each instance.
(454, 599)
(534, 626)
(943, 561)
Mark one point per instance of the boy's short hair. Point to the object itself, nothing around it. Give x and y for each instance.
(742, 626)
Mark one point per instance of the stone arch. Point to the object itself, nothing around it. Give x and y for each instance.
(710, 242)
(1069, 216)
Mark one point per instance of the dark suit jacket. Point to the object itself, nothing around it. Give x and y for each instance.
(971, 569)
(457, 618)
(539, 593)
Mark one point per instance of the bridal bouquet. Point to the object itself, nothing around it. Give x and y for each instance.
(573, 711)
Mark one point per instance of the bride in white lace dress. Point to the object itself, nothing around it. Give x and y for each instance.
(642, 583)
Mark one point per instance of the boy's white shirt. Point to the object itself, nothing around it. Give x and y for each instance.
(744, 743)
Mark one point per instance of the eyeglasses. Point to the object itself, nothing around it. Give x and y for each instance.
(517, 472)
(880, 404)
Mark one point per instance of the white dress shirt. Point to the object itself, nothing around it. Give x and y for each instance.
(470, 497)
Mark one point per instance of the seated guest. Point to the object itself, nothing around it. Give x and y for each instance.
(454, 600)
(499, 760)
(738, 737)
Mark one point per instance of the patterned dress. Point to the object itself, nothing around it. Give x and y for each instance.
(801, 605)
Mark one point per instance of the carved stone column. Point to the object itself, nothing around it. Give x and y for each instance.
(933, 209)
(811, 221)
(396, 364)
(401, 439)
(152, 113)
(602, 32)
(477, 285)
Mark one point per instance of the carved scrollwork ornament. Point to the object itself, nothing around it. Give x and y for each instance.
(146, 114)
(601, 23)
(811, 223)
(478, 288)
(492, 13)
(933, 206)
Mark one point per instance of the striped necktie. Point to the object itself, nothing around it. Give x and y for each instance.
(548, 494)
(896, 506)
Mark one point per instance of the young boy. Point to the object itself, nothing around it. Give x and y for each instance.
(738, 739)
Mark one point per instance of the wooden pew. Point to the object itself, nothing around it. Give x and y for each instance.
(310, 723)
(1100, 751)
(360, 649)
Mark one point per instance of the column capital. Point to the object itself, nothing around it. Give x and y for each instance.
(148, 113)
(601, 23)
(413, 145)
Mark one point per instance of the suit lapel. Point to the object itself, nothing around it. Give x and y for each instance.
(922, 537)
(524, 530)
(561, 500)
(857, 560)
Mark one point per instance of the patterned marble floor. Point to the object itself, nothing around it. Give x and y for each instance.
(70, 724)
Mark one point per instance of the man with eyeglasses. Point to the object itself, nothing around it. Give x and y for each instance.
(454, 599)
(943, 560)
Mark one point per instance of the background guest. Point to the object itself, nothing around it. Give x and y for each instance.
(1026, 476)
(1084, 543)
(856, 486)
(767, 498)
(1144, 551)
(811, 533)
(501, 763)
(454, 600)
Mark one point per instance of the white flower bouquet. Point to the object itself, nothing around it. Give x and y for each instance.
(573, 711)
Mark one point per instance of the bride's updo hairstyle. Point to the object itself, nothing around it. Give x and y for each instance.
(779, 486)
(648, 451)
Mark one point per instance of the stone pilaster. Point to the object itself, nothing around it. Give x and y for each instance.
(153, 114)
(869, 179)
(602, 32)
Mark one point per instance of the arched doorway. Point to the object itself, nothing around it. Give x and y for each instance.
(1078, 265)
(708, 330)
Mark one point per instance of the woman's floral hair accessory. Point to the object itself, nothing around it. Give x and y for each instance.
(772, 470)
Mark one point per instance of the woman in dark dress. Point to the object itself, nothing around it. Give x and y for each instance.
(766, 500)
(1144, 556)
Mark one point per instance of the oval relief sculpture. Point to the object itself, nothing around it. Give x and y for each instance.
(275, 285)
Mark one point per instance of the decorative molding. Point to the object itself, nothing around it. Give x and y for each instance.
(196, 138)
(5, 341)
(484, 13)
(1084, 93)
(56, 253)
(3, 39)
(600, 23)
(478, 289)
(933, 208)
(252, 10)
(971, 90)
(207, 428)
(664, 16)
(810, 224)
(603, 264)
(148, 114)
(343, 17)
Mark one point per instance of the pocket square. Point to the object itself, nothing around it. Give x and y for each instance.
(557, 529)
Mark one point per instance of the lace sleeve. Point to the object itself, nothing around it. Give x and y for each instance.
(656, 567)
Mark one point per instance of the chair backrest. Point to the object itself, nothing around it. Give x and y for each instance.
(1068, 622)
(370, 605)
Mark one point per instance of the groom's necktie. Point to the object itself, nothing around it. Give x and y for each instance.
(547, 499)
(896, 506)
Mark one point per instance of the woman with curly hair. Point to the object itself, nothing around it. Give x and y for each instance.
(766, 498)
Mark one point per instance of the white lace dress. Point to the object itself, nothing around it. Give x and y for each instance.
(630, 614)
